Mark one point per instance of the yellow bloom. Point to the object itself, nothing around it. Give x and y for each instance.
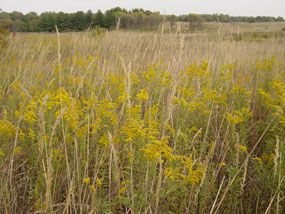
(242, 148)
(7, 128)
(92, 188)
(21, 134)
(142, 95)
(104, 140)
(234, 118)
(18, 150)
(31, 134)
(122, 190)
(258, 159)
(86, 180)
(98, 181)
(2, 153)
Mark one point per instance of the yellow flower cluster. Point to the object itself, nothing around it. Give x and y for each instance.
(158, 149)
(7, 129)
(185, 170)
(238, 116)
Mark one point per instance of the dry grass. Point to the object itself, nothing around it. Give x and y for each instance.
(129, 122)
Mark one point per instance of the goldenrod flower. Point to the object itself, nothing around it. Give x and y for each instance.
(86, 180)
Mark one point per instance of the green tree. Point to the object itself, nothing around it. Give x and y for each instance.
(15, 15)
(98, 19)
(208, 17)
(280, 19)
(195, 21)
(31, 19)
(34, 25)
(224, 18)
(79, 21)
(110, 17)
(251, 19)
(20, 26)
(63, 21)
(89, 18)
(172, 20)
(47, 22)
(4, 15)
(7, 24)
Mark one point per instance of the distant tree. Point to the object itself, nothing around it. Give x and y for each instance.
(182, 18)
(195, 21)
(6, 24)
(5, 15)
(208, 17)
(63, 21)
(98, 19)
(78, 21)
(139, 17)
(29, 16)
(124, 19)
(89, 18)
(235, 18)
(172, 20)
(34, 25)
(147, 12)
(258, 19)
(20, 26)
(154, 21)
(216, 17)
(110, 18)
(251, 19)
(265, 19)
(134, 19)
(31, 19)
(16, 15)
(137, 10)
(279, 19)
(224, 18)
(47, 22)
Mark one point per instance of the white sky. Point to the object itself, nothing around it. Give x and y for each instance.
(231, 7)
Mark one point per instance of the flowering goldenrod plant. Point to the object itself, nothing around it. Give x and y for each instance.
(88, 127)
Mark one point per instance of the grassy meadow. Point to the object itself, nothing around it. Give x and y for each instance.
(143, 122)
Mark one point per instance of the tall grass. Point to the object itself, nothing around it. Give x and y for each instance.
(127, 122)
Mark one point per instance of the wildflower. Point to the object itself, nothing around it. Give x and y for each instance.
(234, 118)
(98, 181)
(104, 140)
(92, 188)
(258, 159)
(31, 134)
(122, 190)
(21, 134)
(242, 148)
(2, 153)
(7, 128)
(142, 95)
(17, 150)
(86, 180)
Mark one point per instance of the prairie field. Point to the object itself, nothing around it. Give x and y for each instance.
(143, 122)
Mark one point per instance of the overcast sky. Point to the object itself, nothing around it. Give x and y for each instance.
(178, 7)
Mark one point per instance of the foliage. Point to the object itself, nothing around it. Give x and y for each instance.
(93, 125)
(195, 21)
(133, 19)
(3, 33)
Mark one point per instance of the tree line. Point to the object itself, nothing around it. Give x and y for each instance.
(132, 19)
